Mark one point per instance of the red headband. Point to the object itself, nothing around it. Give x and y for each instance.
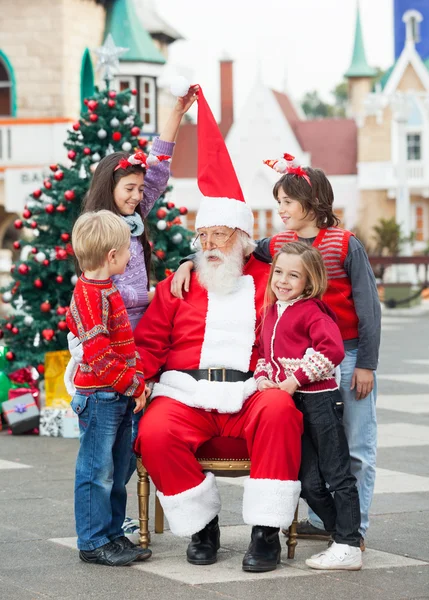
(288, 165)
(140, 158)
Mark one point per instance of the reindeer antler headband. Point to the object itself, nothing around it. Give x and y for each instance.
(288, 165)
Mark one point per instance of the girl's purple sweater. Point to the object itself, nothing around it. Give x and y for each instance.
(133, 283)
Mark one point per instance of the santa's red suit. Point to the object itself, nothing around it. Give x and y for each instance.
(210, 330)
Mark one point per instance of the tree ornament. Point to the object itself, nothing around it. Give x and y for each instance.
(65, 237)
(26, 213)
(59, 278)
(108, 58)
(62, 325)
(33, 225)
(111, 103)
(114, 122)
(48, 334)
(45, 306)
(50, 208)
(15, 330)
(170, 205)
(160, 254)
(61, 254)
(102, 134)
(37, 194)
(96, 158)
(61, 208)
(40, 369)
(18, 224)
(10, 356)
(34, 250)
(126, 146)
(161, 225)
(61, 310)
(87, 151)
(135, 131)
(112, 94)
(183, 210)
(9, 326)
(116, 136)
(134, 92)
(161, 213)
(126, 109)
(38, 283)
(69, 195)
(76, 126)
(28, 320)
(17, 245)
(40, 257)
(23, 269)
(93, 117)
(92, 104)
(177, 238)
(71, 154)
(47, 184)
(7, 297)
(74, 279)
(58, 175)
(53, 168)
(142, 142)
(45, 263)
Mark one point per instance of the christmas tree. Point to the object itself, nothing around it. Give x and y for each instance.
(43, 279)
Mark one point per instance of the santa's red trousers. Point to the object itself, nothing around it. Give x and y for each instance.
(171, 432)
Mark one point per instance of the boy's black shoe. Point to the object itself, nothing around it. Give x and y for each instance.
(264, 550)
(110, 555)
(306, 531)
(141, 553)
(204, 545)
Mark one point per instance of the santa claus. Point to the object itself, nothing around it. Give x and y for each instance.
(201, 351)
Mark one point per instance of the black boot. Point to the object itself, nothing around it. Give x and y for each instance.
(264, 550)
(204, 545)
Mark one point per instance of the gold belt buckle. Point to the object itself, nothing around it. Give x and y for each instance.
(210, 369)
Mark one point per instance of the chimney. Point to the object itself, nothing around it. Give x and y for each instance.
(226, 96)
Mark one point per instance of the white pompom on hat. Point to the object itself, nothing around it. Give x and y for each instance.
(179, 86)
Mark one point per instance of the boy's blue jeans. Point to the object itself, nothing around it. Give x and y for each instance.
(360, 425)
(102, 466)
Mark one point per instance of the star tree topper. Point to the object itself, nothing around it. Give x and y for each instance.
(108, 58)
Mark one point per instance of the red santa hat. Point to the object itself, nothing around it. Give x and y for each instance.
(223, 201)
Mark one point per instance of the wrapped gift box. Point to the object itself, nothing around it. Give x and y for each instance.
(59, 422)
(55, 389)
(21, 413)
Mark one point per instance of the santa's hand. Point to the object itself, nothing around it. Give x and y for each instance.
(75, 347)
(266, 384)
(290, 385)
(181, 279)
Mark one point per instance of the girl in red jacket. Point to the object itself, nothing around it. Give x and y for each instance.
(300, 347)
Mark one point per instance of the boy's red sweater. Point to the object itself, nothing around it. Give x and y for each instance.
(98, 317)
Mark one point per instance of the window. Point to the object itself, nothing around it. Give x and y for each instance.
(414, 146)
(126, 82)
(412, 19)
(6, 90)
(419, 223)
(147, 102)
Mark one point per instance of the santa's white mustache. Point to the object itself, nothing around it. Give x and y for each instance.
(213, 254)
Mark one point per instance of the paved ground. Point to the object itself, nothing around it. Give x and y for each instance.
(37, 544)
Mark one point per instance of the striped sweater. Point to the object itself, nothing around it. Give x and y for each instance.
(98, 317)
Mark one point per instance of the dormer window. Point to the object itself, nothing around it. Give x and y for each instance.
(5, 91)
(412, 20)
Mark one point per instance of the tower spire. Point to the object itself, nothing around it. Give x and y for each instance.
(359, 66)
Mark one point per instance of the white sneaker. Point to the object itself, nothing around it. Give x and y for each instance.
(337, 556)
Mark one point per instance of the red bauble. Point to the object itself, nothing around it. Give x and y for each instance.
(15, 330)
(61, 310)
(62, 326)
(45, 263)
(76, 126)
(10, 355)
(92, 104)
(85, 101)
(116, 136)
(26, 213)
(50, 208)
(170, 205)
(134, 92)
(183, 210)
(65, 237)
(18, 224)
(34, 250)
(59, 279)
(160, 254)
(53, 168)
(17, 245)
(61, 208)
(135, 131)
(40, 369)
(47, 184)
(61, 254)
(33, 225)
(23, 269)
(71, 154)
(59, 175)
(87, 151)
(45, 306)
(69, 195)
(37, 193)
(142, 142)
(161, 213)
(9, 326)
(93, 117)
(48, 334)
(112, 94)
(111, 103)
(38, 283)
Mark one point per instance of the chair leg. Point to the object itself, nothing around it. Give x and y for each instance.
(291, 541)
(143, 492)
(159, 516)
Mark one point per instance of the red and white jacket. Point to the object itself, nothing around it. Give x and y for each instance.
(203, 330)
(300, 339)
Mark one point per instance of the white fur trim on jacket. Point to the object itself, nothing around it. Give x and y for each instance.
(225, 397)
(191, 510)
(225, 212)
(230, 328)
(270, 502)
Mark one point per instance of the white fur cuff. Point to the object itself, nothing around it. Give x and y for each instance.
(270, 502)
(191, 510)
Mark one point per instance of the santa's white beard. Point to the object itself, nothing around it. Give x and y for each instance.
(220, 277)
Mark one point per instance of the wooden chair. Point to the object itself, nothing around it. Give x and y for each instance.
(223, 465)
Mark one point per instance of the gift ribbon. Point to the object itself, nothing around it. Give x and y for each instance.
(19, 408)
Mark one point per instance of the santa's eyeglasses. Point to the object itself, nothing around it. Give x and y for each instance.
(217, 238)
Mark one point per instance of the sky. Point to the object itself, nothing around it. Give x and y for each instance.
(301, 44)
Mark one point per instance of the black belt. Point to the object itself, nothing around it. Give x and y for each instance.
(219, 374)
